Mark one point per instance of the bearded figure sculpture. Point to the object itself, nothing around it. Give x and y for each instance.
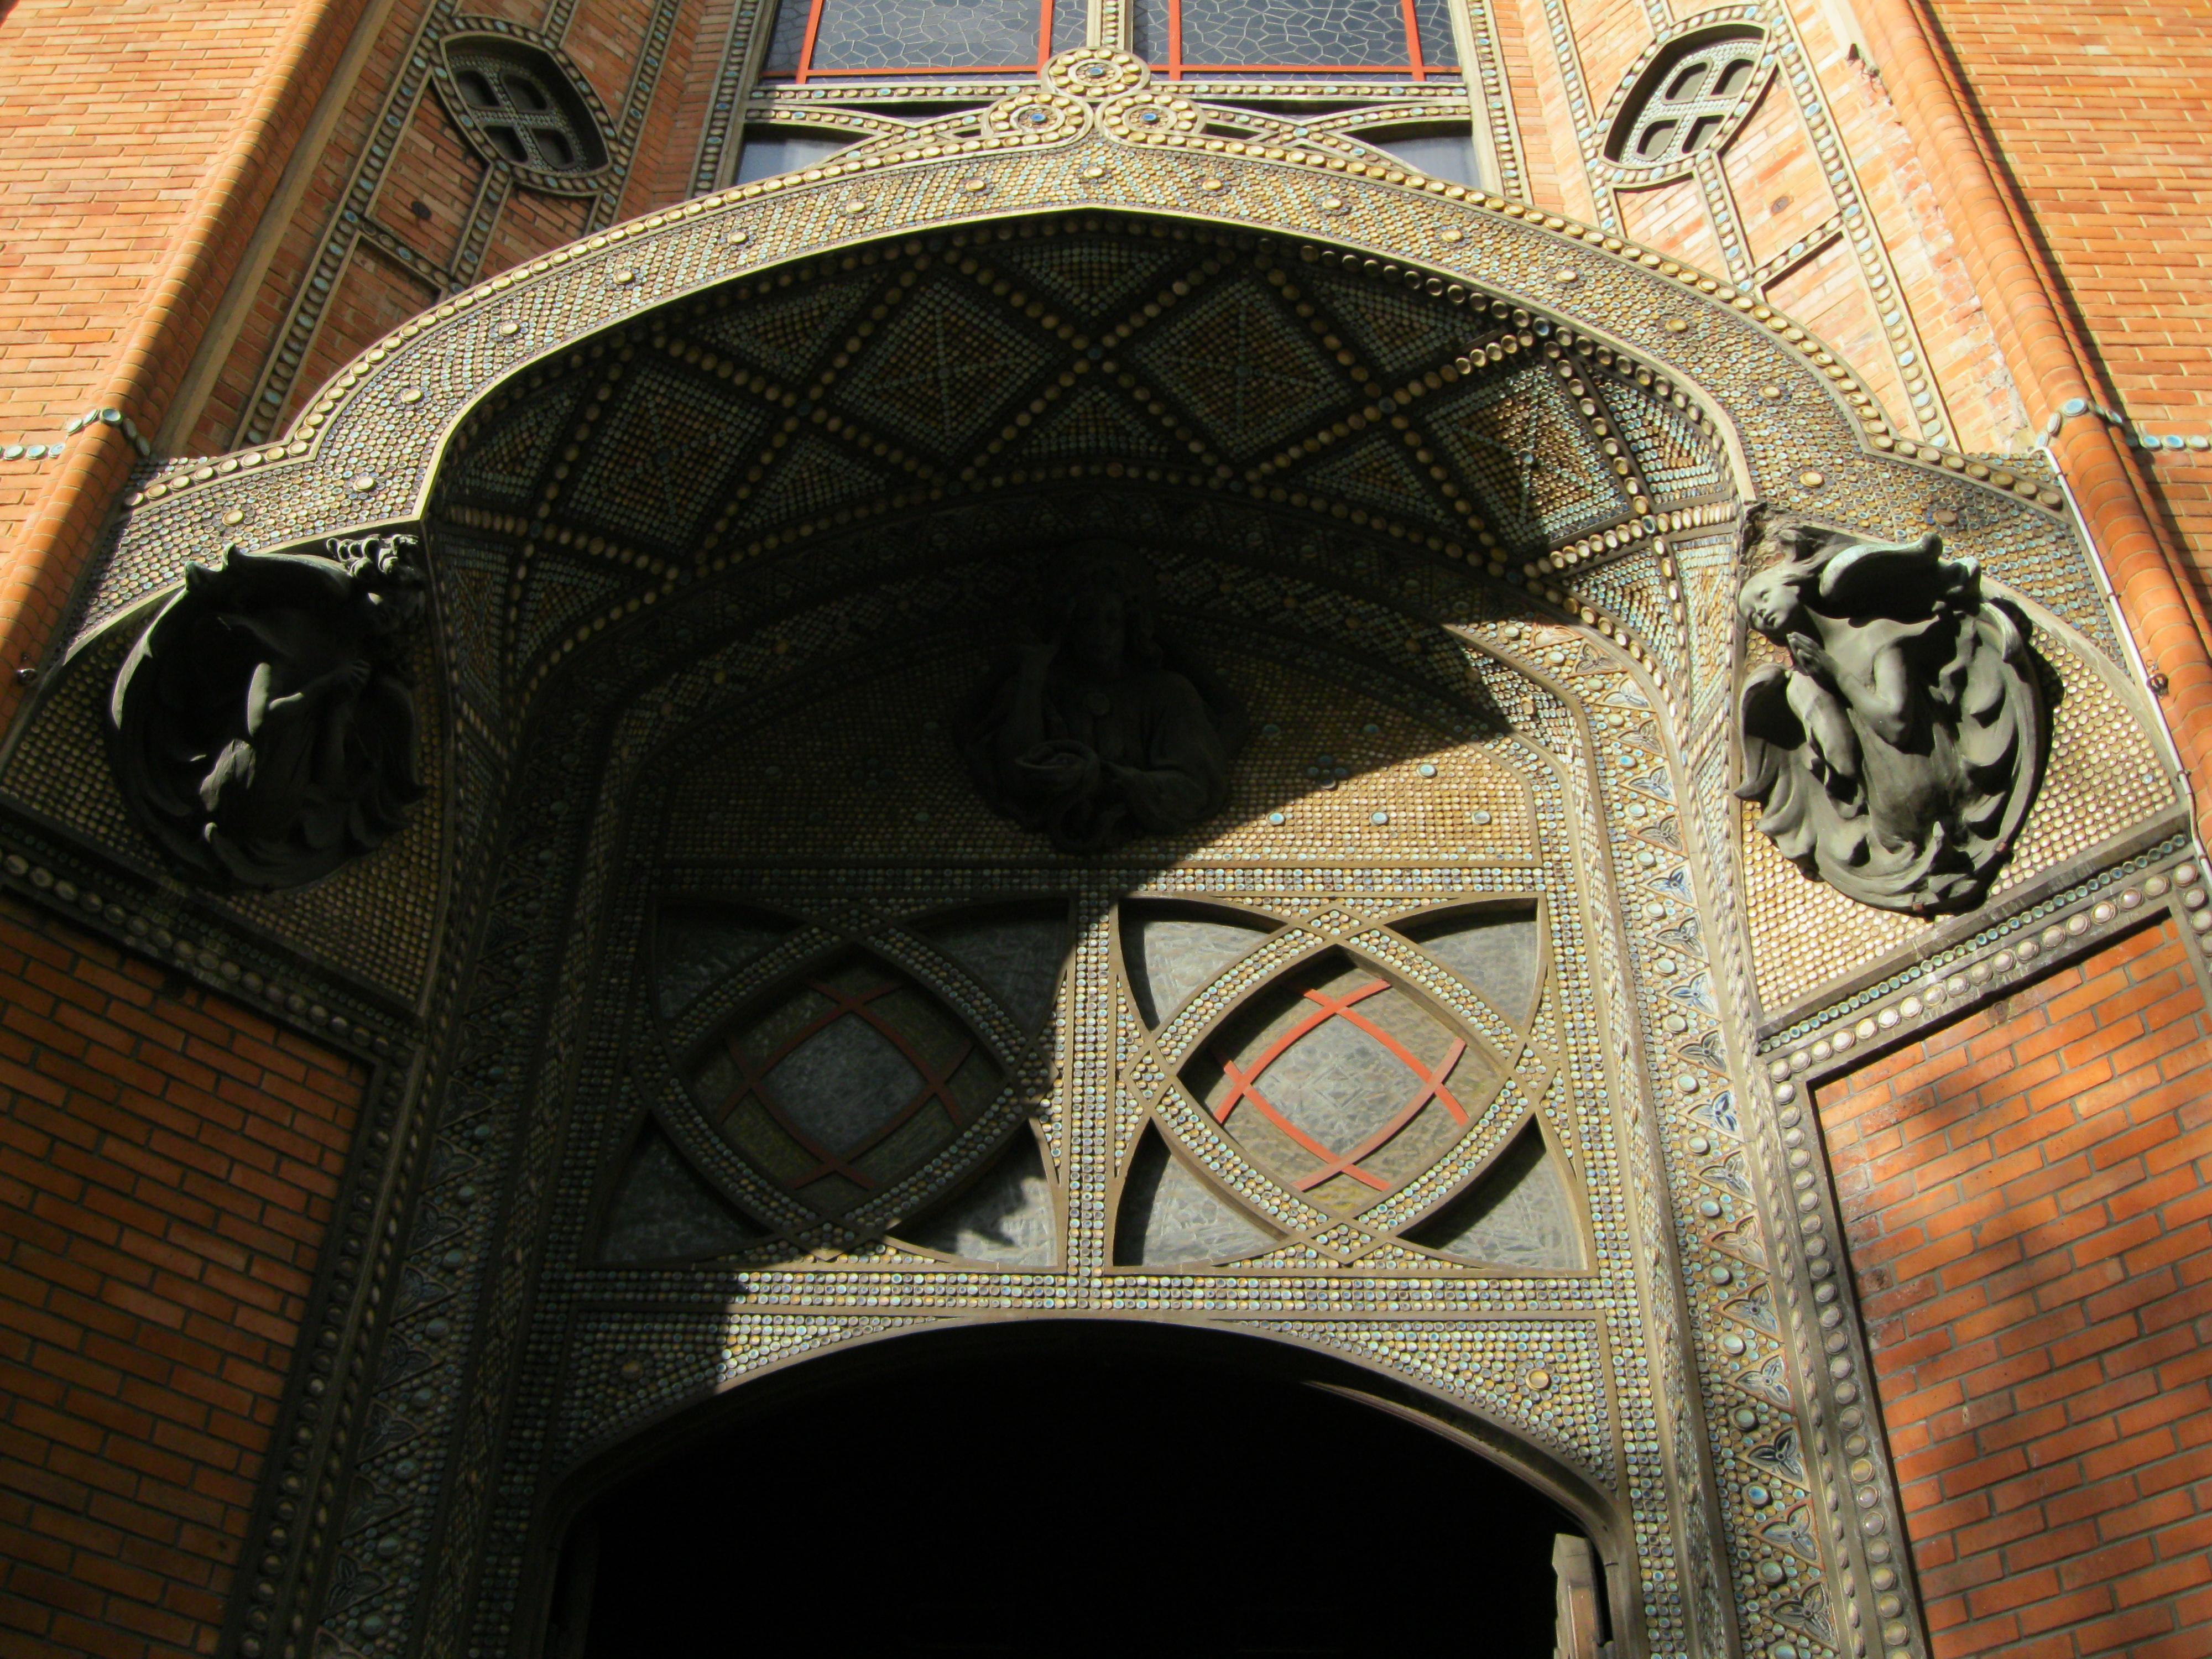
(263, 728)
(1097, 729)
(1897, 751)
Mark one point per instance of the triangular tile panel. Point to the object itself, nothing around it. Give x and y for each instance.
(785, 336)
(1523, 452)
(1099, 276)
(559, 594)
(813, 474)
(1375, 472)
(472, 587)
(1093, 422)
(1673, 458)
(1631, 588)
(1396, 332)
(503, 465)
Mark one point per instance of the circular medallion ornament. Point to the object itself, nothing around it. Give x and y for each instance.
(1147, 117)
(1095, 72)
(1038, 118)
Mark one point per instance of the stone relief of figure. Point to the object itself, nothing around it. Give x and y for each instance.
(1097, 730)
(1897, 751)
(262, 727)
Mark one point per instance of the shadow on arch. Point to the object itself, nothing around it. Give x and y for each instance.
(1080, 1487)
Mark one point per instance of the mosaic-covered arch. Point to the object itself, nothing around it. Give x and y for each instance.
(609, 574)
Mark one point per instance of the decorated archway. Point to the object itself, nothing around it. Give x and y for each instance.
(725, 1012)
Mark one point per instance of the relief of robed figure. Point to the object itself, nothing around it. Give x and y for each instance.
(1095, 727)
(263, 727)
(1897, 749)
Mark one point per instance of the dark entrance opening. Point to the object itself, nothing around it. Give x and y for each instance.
(1064, 1490)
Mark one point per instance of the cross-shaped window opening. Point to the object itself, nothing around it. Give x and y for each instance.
(1681, 105)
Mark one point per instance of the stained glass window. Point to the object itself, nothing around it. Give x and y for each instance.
(1409, 39)
(821, 39)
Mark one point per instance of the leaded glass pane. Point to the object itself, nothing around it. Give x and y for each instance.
(662, 1211)
(1005, 1217)
(1518, 1215)
(789, 43)
(1439, 49)
(1448, 156)
(1496, 953)
(1340, 1083)
(1172, 954)
(844, 1082)
(772, 152)
(847, 1083)
(893, 37)
(693, 951)
(1015, 956)
(1170, 1215)
(1252, 34)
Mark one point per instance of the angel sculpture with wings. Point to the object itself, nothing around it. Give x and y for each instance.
(263, 726)
(1897, 751)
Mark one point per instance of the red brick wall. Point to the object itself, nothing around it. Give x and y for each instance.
(168, 1164)
(433, 166)
(2096, 113)
(2028, 1198)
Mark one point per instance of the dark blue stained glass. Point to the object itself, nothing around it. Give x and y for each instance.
(1070, 21)
(1148, 30)
(1318, 34)
(789, 39)
(914, 34)
(1439, 49)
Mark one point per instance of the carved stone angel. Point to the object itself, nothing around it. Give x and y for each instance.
(264, 726)
(1897, 750)
(1095, 730)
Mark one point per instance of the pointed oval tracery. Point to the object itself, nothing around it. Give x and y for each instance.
(1340, 1082)
(846, 1082)
(836, 1071)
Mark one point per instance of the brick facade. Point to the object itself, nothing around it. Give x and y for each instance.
(167, 1161)
(2023, 1190)
(2026, 1196)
